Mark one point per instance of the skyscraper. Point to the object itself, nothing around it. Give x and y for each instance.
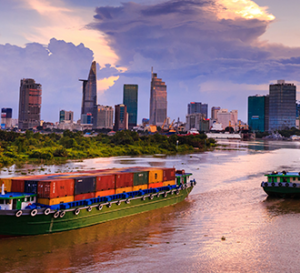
(197, 107)
(158, 101)
(121, 117)
(258, 113)
(29, 104)
(103, 117)
(130, 99)
(282, 104)
(89, 93)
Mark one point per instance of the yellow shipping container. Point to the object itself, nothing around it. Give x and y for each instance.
(55, 201)
(169, 183)
(7, 184)
(121, 190)
(140, 187)
(155, 176)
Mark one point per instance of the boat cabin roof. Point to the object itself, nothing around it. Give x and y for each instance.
(183, 174)
(283, 173)
(15, 195)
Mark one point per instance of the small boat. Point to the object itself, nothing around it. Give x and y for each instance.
(42, 204)
(282, 184)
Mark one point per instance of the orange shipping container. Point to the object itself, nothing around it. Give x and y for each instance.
(84, 196)
(122, 190)
(55, 188)
(140, 187)
(155, 185)
(7, 184)
(169, 183)
(105, 193)
(155, 176)
(55, 201)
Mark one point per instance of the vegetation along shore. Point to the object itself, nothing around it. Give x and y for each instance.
(30, 146)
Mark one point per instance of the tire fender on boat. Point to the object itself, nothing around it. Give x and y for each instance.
(177, 192)
(294, 185)
(47, 211)
(56, 214)
(266, 184)
(280, 184)
(273, 184)
(33, 212)
(89, 209)
(62, 214)
(119, 203)
(109, 205)
(100, 207)
(151, 196)
(19, 213)
(165, 194)
(77, 211)
(287, 184)
(143, 198)
(127, 201)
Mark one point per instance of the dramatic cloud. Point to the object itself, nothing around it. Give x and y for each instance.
(192, 42)
(57, 66)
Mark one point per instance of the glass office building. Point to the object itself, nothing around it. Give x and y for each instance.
(282, 105)
(130, 99)
(256, 113)
(198, 107)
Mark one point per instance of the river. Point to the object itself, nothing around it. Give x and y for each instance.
(259, 234)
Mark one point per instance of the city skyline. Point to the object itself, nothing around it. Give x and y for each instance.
(257, 46)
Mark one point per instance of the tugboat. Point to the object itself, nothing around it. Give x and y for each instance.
(282, 184)
(44, 204)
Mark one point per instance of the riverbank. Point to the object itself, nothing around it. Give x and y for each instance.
(57, 148)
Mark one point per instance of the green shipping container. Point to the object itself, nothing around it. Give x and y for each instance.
(140, 178)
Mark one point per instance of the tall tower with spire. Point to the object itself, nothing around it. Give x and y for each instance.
(89, 94)
(158, 100)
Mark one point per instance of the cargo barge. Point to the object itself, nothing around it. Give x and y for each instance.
(42, 204)
(282, 184)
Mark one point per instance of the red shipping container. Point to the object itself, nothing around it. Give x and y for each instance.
(84, 196)
(155, 185)
(17, 185)
(55, 188)
(168, 174)
(124, 180)
(105, 182)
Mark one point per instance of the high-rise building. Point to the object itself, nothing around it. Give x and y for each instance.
(121, 117)
(214, 111)
(197, 121)
(158, 101)
(282, 103)
(197, 107)
(228, 118)
(130, 99)
(30, 104)
(103, 117)
(89, 93)
(6, 118)
(66, 116)
(258, 113)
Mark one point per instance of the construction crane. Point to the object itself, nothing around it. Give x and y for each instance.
(171, 125)
(162, 127)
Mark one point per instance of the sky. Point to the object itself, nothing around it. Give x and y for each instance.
(217, 52)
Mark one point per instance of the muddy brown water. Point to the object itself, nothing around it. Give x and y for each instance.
(259, 234)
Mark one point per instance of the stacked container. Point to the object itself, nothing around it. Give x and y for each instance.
(155, 178)
(124, 182)
(105, 184)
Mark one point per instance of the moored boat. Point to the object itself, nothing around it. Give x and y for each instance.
(60, 202)
(282, 184)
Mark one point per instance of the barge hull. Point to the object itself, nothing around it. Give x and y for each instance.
(45, 224)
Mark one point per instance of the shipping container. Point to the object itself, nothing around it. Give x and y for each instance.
(124, 180)
(55, 188)
(169, 183)
(121, 190)
(84, 196)
(105, 193)
(140, 178)
(84, 184)
(105, 182)
(155, 176)
(155, 185)
(17, 185)
(168, 174)
(55, 201)
(140, 187)
(31, 186)
(7, 184)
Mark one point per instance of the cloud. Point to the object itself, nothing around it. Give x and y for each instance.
(196, 41)
(57, 66)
